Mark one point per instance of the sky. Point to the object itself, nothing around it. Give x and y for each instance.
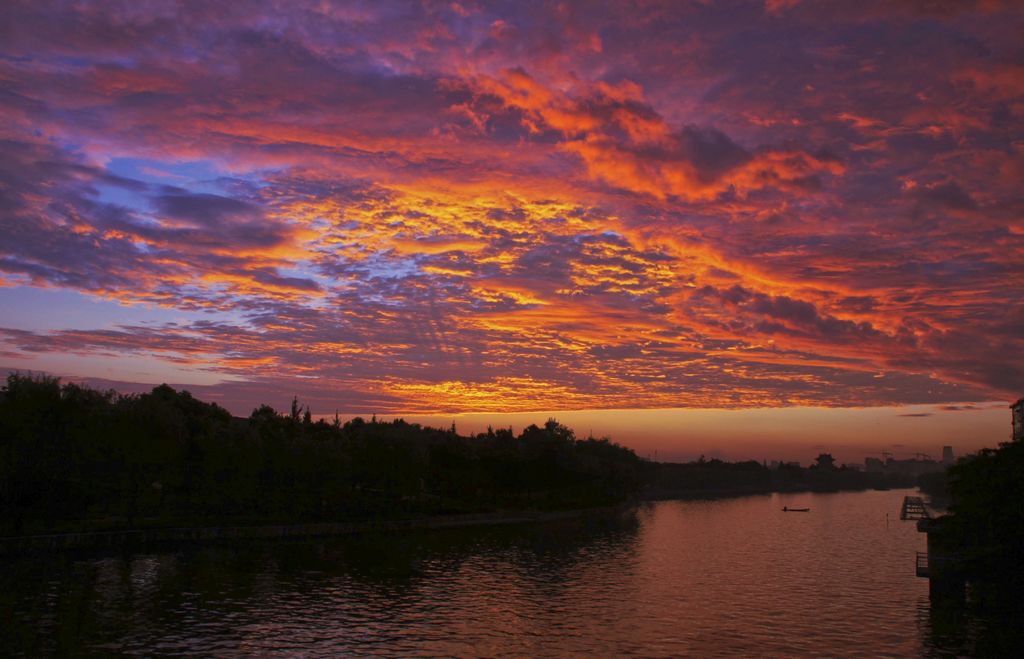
(736, 228)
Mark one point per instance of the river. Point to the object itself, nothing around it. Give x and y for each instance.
(728, 577)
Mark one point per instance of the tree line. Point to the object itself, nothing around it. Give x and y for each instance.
(75, 458)
(715, 477)
(985, 527)
(72, 457)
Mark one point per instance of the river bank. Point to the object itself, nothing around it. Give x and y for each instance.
(147, 537)
(139, 538)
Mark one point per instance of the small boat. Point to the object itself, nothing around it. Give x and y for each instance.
(787, 509)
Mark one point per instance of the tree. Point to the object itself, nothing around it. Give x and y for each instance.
(70, 454)
(986, 527)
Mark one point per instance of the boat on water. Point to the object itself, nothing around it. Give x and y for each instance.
(787, 509)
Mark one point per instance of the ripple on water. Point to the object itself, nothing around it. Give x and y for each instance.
(731, 577)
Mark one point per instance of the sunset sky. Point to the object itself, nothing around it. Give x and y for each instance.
(746, 229)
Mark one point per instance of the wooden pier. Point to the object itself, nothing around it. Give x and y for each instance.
(914, 508)
(940, 564)
(922, 564)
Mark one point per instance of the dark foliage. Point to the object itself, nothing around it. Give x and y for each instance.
(72, 457)
(717, 477)
(986, 524)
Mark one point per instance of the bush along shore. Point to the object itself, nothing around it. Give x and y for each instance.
(77, 460)
(983, 534)
(81, 467)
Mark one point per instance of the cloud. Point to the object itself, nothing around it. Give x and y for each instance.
(949, 195)
(497, 207)
(203, 208)
(623, 142)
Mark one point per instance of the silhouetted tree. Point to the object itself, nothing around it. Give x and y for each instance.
(986, 527)
(71, 454)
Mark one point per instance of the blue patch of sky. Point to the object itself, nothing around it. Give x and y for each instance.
(386, 266)
(306, 271)
(119, 195)
(195, 173)
(320, 223)
(73, 61)
(46, 309)
(128, 368)
(196, 176)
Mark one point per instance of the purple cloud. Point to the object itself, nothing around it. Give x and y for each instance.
(447, 206)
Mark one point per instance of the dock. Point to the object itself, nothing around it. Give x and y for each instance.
(914, 509)
(939, 564)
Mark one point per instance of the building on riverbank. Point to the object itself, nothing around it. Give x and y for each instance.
(909, 468)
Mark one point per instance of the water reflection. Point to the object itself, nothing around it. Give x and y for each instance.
(732, 577)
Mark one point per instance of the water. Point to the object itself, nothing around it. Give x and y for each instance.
(734, 577)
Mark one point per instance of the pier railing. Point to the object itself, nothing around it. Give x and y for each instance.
(922, 564)
(913, 508)
(928, 565)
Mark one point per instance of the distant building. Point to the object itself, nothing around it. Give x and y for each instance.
(873, 465)
(912, 467)
(947, 455)
(1018, 420)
